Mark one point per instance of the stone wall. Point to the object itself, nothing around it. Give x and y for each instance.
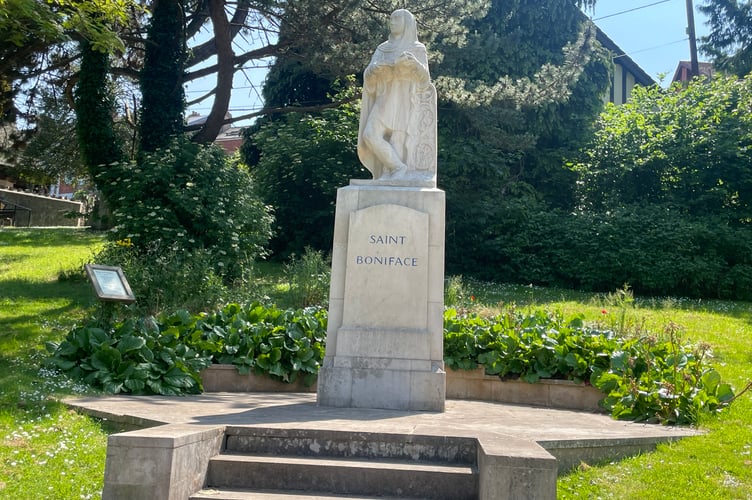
(43, 210)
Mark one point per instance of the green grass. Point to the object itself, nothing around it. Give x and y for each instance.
(47, 451)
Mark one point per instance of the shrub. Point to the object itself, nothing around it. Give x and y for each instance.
(303, 160)
(188, 197)
(663, 381)
(656, 249)
(166, 277)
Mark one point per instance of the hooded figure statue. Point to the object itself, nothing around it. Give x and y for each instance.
(397, 133)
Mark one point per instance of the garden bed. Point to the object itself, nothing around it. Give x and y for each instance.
(475, 384)
(225, 378)
(460, 384)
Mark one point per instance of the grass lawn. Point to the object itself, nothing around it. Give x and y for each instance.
(47, 451)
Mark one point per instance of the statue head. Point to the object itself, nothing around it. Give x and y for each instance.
(403, 28)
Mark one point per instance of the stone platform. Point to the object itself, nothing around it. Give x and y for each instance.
(522, 439)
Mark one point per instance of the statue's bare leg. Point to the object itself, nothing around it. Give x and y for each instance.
(375, 137)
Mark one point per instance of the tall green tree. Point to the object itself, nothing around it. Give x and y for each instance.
(729, 42)
(161, 79)
(527, 86)
(517, 99)
(101, 149)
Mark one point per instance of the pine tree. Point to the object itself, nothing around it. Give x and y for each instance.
(729, 43)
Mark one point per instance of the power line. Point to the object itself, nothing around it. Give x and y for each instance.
(652, 48)
(630, 10)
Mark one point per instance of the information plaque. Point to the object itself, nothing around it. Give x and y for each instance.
(109, 283)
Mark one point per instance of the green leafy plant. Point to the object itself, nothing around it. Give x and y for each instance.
(642, 378)
(309, 278)
(665, 381)
(530, 347)
(465, 339)
(134, 356)
(265, 340)
(164, 355)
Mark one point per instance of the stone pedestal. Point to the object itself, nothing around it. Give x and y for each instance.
(385, 334)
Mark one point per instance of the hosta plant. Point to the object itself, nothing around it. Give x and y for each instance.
(643, 378)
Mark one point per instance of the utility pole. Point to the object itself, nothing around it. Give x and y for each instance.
(694, 65)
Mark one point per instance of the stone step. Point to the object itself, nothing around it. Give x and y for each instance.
(244, 494)
(342, 444)
(340, 476)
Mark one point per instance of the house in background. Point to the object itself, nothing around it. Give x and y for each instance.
(626, 72)
(684, 70)
(66, 187)
(229, 138)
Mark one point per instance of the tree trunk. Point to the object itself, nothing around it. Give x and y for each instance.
(225, 73)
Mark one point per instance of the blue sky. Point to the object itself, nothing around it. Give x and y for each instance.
(655, 36)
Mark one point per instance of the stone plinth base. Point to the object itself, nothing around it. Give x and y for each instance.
(361, 387)
(386, 302)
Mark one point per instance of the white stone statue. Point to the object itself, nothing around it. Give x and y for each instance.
(397, 134)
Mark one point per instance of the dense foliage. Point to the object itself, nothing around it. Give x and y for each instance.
(664, 203)
(527, 103)
(646, 379)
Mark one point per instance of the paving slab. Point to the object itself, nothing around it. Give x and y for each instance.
(299, 410)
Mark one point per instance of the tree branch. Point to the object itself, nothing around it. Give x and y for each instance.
(283, 110)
